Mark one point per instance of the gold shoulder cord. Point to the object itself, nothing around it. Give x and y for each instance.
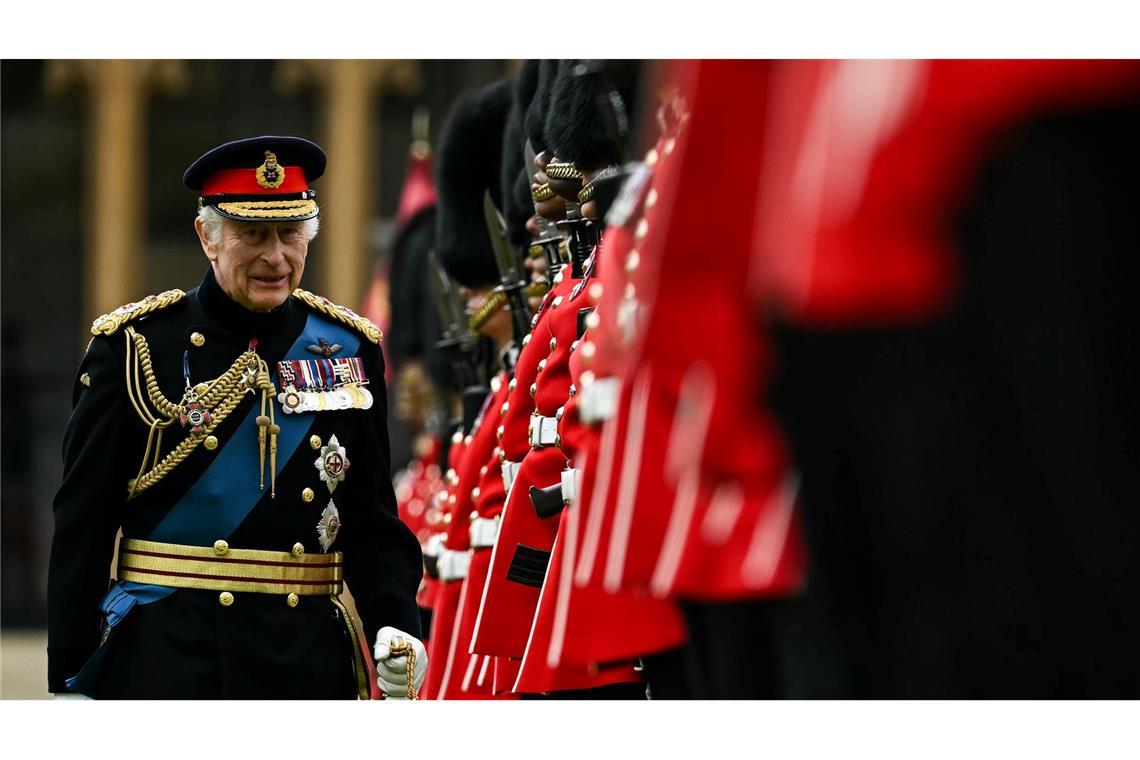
(221, 396)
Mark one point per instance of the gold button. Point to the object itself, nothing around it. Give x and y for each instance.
(293, 600)
(512, 385)
(503, 409)
(447, 518)
(315, 442)
(475, 493)
(651, 198)
(482, 470)
(225, 598)
(200, 388)
(198, 339)
(211, 442)
(574, 345)
(642, 229)
(558, 277)
(573, 390)
(499, 433)
(458, 437)
(467, 441)
(542, 365)
(553, 343)
(85, 379)
(651, 157)
(588, 350)
(307, 495)
(558, 414)
(632, 262)
(221, 547)
(533, 389)
(526, 339)
(556, 302)
(593, 320)
(298, 549)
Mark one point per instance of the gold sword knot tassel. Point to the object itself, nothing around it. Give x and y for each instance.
(399, 647)
(267, 424)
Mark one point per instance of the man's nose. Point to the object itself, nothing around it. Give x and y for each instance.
(274, 250)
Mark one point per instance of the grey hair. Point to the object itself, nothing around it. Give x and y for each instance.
(212, 224)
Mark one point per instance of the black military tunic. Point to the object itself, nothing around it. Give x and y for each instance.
(189, 644)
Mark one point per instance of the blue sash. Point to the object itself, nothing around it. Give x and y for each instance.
(218, 501)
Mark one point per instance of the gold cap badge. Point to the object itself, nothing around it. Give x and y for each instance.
(270, 174)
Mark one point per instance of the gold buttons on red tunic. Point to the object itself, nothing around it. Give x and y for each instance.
(225, 598)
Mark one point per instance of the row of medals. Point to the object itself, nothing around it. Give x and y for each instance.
(348, 396)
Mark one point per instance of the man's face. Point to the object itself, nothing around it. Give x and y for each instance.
(258, 264)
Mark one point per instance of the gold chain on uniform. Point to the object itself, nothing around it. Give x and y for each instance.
(221, 396)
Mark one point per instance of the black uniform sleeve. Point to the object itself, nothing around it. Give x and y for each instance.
(383, 563)
(87, 509)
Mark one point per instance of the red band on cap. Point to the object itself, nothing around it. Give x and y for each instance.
(244, 182)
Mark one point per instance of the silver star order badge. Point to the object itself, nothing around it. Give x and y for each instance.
(329, 526)
(332, 464)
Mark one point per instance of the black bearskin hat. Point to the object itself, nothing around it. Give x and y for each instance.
(470, 157)
(411, 297)
(517, 208)
(534, 122)
(584, 126)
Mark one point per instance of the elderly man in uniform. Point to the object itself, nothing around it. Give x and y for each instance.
(237, 436)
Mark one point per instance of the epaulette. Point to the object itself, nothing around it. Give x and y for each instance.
(108, 324)
(340, 313)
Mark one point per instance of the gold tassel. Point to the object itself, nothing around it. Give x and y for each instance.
(262, 424)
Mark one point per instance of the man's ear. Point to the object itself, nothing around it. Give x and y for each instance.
(208, 249)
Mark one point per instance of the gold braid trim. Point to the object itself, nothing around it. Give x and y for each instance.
(109, 324)
(221, 396)
(562, 171)
(359, 668)
(269, 209)
(340, 313)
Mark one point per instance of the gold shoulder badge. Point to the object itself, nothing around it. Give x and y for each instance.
(270, 174)
(340, 313)
(108, 324)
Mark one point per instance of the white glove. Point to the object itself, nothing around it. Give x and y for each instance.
(392, 671)
(71, 696)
